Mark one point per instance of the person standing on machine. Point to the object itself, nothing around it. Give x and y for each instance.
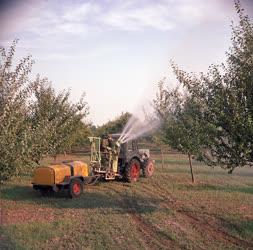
(106, 151)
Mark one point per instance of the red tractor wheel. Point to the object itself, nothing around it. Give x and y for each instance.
(75, 188)
(149, 169)
(132, 172)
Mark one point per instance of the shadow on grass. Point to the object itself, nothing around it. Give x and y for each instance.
(19, 193)
(209, 187)
(88, 200)
(243, 228)
(186, 170)
(200, 169)
(5, 241)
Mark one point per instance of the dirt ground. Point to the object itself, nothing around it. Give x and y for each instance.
(166, 211)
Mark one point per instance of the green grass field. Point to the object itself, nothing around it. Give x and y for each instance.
(166, 211)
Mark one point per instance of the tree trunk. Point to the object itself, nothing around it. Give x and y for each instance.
(55, 156)
(190, 163)
(162, 157)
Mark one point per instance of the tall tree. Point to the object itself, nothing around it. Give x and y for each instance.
(15, 90)
(226, 97)
(34, 119)
(56, 122)
(181, 127)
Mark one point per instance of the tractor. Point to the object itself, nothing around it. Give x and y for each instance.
(122, 161)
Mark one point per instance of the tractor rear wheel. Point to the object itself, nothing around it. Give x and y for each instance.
(132, 172)
(75, 188)
(148, 169)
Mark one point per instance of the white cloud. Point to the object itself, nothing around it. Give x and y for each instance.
(80, 12)
(125, 18)
(72, 28)
(50, 19)
(161, 15)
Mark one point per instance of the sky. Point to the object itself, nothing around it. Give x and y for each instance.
(116, 51)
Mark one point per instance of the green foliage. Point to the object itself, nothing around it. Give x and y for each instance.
(56, 122)
(81, 134)
(15, 90)
(34, 119)
(225, 95)
(211, 115)
(181, 128)
(114, 126)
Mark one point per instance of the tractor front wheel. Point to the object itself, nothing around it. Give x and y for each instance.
(132, 172)
(75, 188)
(148, 169)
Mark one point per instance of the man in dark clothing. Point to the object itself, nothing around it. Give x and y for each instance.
(106, 151)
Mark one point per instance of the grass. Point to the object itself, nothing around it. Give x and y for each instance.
(166, 211)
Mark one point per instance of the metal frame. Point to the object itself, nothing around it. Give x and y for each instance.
(95, 154)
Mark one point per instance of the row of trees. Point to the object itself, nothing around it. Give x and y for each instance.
(34, 120)
(114, 126)
(210, 115)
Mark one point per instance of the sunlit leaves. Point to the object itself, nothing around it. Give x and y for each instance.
(216, 119)
(34, 120)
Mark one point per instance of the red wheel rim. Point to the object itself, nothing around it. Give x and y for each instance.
(76, 188)
(134, 171)
(150, 168)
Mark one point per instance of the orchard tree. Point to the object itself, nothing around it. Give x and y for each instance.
(114, 126)
(34, 119)
(15, 90)
(56, 122)
(226, 97)
(83, 130)
(181, 128)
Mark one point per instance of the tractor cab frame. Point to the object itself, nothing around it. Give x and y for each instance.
(125, 160)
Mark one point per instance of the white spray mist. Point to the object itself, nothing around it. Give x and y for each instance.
(141, 123)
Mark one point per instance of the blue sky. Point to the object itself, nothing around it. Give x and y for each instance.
(117, 51)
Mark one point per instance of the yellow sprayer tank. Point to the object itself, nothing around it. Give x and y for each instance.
(56, 174)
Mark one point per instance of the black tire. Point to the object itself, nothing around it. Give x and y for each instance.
(132, 171)
(75, 188)
(148, 169)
